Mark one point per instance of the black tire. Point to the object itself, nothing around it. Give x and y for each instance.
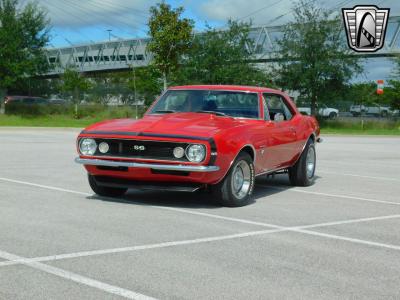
(105, 191)
(332, 115)
(298, 173)
(224, 192)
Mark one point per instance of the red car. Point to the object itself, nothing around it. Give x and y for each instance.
(218, 138)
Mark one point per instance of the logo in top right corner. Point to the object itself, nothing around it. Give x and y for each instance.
(365, 27)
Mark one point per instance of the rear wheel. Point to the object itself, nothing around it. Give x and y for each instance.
(236, 188)
(302, 173)
(104, 190)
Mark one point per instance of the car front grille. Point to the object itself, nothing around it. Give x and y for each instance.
(141, 149)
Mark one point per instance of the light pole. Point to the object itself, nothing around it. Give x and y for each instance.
(134, 90)
(109, 34)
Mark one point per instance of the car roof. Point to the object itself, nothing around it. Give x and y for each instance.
(225, 87)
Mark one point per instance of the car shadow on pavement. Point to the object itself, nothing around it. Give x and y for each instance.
(265, 186)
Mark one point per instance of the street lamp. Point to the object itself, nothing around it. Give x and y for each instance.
(109, 34)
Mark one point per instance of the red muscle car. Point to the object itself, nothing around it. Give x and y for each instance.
(218, 138)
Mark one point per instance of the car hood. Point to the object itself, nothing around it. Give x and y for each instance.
(187, 124)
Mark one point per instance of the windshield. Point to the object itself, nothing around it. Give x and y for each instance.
(230, 103)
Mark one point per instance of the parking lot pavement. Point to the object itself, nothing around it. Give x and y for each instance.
(21, 282)
(336, 239)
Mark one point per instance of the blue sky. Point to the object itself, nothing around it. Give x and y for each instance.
(82, 21)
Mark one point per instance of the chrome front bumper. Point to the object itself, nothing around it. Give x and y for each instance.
(110, 163)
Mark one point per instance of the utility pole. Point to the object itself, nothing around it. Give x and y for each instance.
(134, 91)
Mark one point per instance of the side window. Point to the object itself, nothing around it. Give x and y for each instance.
(276, 104)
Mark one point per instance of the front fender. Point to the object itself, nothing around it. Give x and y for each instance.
(229, 148)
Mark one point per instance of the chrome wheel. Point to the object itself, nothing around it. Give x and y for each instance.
(310, 162)
(241, 178)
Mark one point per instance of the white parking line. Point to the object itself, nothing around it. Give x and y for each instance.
(278, 228)
(244, 221)
(300, 229)
(138, 248)
(361, 176)
(359, 162)
(297, 190)
(76, 278)
(44, 186)
(265, 186)
(347, 239)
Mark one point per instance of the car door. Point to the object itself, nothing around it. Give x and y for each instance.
(280, 133)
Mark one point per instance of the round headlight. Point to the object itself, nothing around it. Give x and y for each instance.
(88, 146)
(104, 147)
(196, 153)
(179, 152)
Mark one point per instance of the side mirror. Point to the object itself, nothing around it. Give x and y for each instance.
(279, 117)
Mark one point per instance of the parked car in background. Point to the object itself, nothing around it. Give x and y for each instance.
(25, 104)
(323, 111)
(58, 102)
(357, 110)
(27, 100)
(378, 110)
(216, 138)
(373, 110)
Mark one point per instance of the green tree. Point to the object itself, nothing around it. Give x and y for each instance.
(221, 57)
(144, 81)
(75, 84)
(393, 94)
(24, 32)
(171, 37)
(313, 57)
(365, 93)
(102, 90)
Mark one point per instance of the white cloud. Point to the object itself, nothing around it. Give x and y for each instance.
(262, 12)
(81, 13)
(134, 13)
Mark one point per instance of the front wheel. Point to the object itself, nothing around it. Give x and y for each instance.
(332, 115)
(236, 188)
(302, 173)
(104, 190)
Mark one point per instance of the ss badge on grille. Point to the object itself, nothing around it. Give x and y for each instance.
(139, 148)
(365, 27)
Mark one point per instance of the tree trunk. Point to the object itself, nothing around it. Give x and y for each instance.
(3, 94)
(76, 100)
(165, 80)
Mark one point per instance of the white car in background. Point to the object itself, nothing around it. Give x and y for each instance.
(323, 111)
(374, 110)
(357, 110)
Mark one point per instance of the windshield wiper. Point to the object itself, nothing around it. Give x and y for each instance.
(164, 111)
(218, 113)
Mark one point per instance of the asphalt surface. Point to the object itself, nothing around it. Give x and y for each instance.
(338, 239)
